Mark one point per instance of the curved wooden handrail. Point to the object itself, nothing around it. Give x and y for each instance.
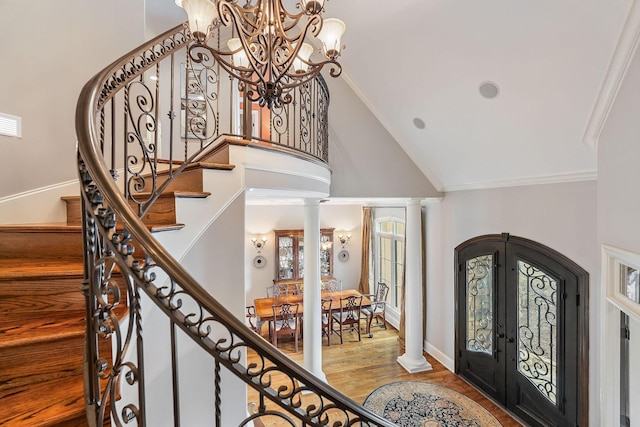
(110, 229)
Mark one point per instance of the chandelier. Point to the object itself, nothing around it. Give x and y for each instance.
(267, 51)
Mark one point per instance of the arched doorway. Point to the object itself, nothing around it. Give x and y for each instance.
(522, 328)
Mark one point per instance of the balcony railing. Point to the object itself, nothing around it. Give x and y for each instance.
(153, 111)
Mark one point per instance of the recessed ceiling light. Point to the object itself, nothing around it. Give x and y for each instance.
(419, 123)
(489, 90)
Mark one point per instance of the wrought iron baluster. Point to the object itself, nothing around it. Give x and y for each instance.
(120, 251)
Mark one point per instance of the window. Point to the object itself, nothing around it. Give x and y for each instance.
(389, 237)
(620, 348)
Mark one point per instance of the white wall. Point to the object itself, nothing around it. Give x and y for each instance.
(366, 160)
(261, 220)
(561, 216)
(215, 261)
(47, 56)
(618, 201)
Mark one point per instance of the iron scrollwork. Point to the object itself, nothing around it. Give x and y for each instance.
(480, 304)
(126, 270)
(537, 352)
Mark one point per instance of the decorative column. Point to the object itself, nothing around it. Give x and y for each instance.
(413, 359)
(312, 340)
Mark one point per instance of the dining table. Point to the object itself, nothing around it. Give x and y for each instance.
(264, 306)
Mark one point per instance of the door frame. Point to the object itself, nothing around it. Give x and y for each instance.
(583, 310)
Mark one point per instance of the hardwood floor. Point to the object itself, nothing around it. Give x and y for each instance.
(358, 368)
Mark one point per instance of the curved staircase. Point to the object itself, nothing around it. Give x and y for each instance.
(63, 288)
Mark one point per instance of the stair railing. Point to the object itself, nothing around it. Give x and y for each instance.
(118, 123)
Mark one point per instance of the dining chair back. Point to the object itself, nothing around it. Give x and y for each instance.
(377, 308)
(348, 314)
(326, 318)
(330, 285)
(285, 322)
(253, 319)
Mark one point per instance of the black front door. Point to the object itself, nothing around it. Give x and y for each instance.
(520, 328)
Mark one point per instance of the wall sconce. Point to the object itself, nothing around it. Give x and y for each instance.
(259, 244)
(344, 239)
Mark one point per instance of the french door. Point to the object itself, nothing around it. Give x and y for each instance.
(522, 328)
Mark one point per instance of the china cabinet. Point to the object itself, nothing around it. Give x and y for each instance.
(289, 254)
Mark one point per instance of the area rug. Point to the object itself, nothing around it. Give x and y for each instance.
(420, 404)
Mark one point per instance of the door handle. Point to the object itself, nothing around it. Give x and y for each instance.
(500, 335)
(510, 340)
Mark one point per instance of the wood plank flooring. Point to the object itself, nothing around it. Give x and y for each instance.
(358, 368)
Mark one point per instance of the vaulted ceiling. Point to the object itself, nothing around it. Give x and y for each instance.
(424, 61)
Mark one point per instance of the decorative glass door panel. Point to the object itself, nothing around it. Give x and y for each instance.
(479, 280)
(537, 332)
(522, 328)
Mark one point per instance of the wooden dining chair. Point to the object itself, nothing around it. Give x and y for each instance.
(377, 308)
(330, 285)
(326, 318)
(254, 324)
(285, 322)
(348, 314)
(277, 290)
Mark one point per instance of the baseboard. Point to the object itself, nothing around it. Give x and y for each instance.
(40, 205)
(440, 356)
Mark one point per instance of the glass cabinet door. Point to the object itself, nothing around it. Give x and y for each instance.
(300, 257)
(290, 254)
(285, 254)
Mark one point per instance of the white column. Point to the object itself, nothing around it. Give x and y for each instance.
(312, 341)
(413, 359)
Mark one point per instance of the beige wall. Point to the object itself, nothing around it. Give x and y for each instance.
(561, 216)
(262, 220)
(47, 56)
(618, 200)
(365, 159)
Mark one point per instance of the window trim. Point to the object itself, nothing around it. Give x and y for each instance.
(613, 302)
(394, 237)
(615, 258)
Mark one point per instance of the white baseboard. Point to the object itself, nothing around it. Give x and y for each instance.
(440, 356)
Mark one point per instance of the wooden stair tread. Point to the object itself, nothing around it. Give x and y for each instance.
(64, 228)
(176, 193)
(33, 268)
(44, 329)
(155, 228)
(194, 165)
(58, 227)
(49, 403)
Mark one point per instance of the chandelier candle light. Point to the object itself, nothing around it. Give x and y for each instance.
(269, 53)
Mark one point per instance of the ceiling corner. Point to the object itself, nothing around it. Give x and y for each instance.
(622, 56)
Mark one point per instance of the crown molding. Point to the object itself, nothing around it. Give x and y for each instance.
(622, 56)
(534, 180)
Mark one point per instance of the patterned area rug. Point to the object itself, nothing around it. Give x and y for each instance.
(419, 404)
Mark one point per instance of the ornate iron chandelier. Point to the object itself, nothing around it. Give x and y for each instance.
(267, 51)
